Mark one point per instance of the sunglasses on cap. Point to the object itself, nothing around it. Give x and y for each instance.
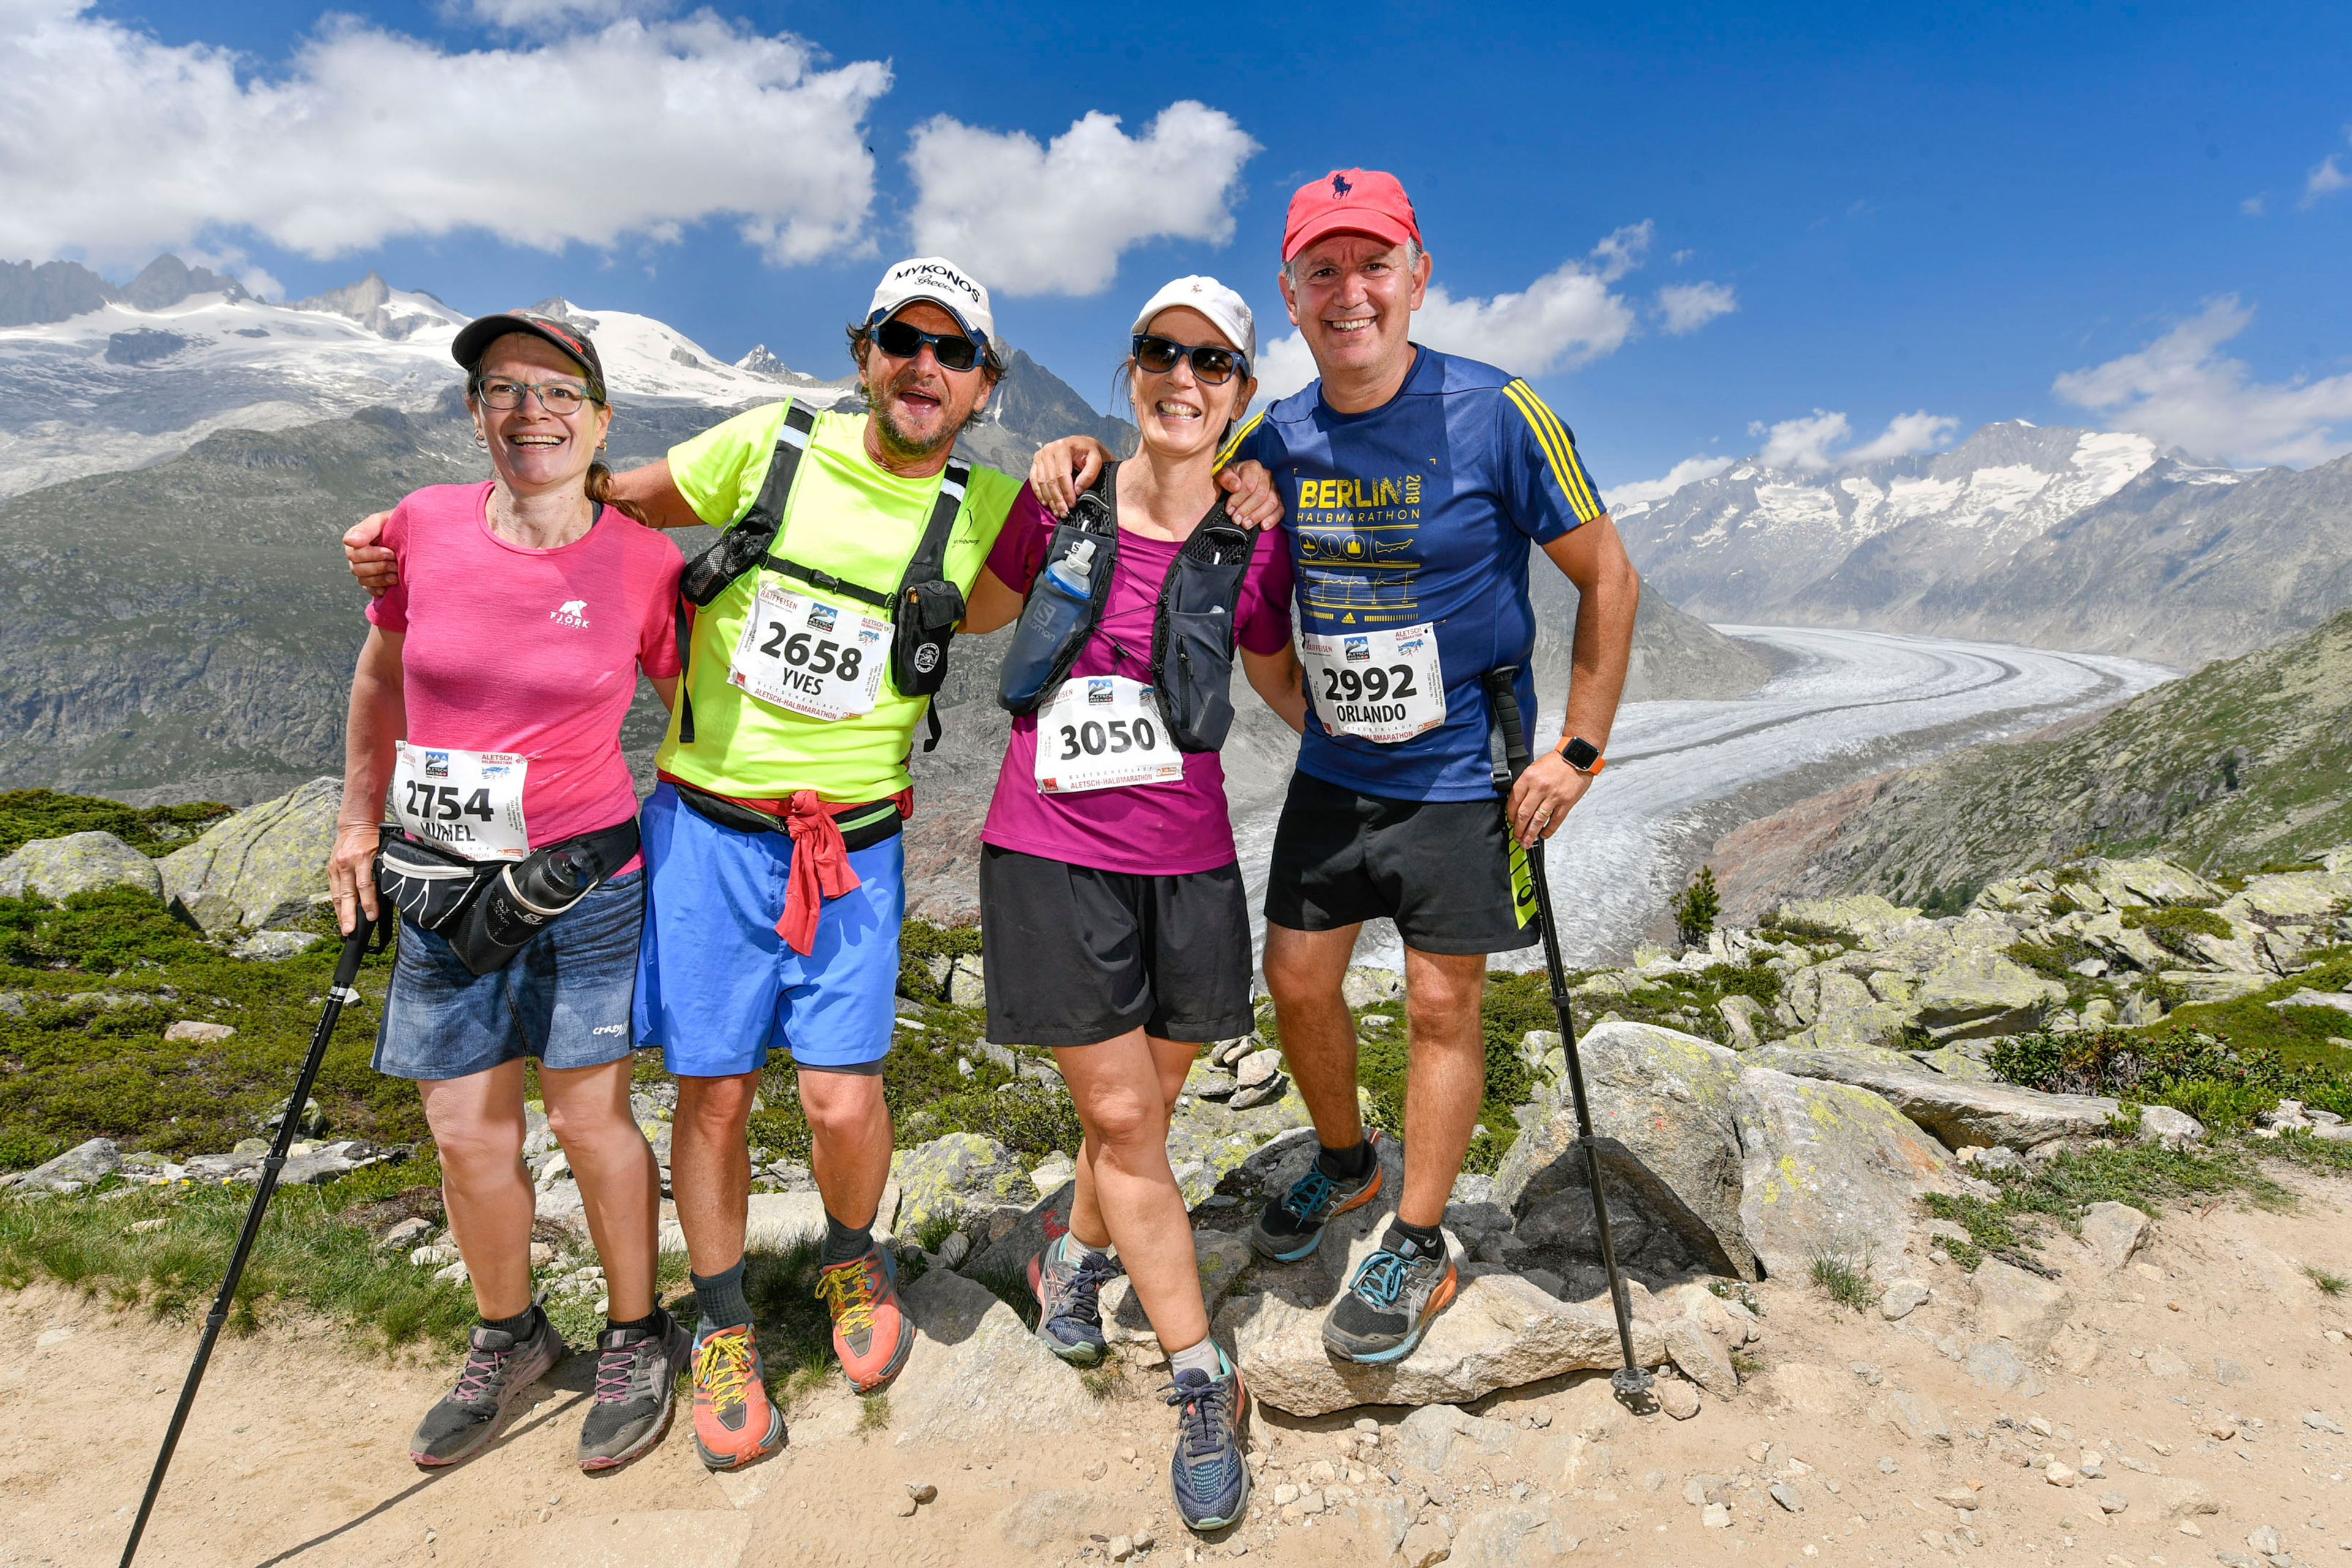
(901, 340)
(1214, 365)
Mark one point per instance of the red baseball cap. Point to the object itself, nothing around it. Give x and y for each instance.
(1351, 201)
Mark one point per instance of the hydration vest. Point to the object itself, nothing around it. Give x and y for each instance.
(1192, 630)
(924, 612)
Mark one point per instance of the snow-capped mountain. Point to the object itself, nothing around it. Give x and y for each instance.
(143, 374)
(1989, 539)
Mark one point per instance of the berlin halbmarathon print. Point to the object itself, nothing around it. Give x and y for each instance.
(1563, 878)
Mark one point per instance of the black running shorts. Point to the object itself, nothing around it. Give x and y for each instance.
(1444, 870)
(1074, 956)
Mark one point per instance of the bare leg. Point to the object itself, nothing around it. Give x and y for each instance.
(1126, 1191)
(849, 1142)
(620, 1182)
(710, 1168)
(1446, 1079)
(477, 1122)
(1305, 969)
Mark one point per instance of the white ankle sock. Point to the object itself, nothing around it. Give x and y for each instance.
(1201, 1358)
(1071, 1249)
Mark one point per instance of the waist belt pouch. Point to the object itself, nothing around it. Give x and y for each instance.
(862, 827)
(1044, 644)
(521, 897)
(1192, 635)
(927, 615)
(430, 886)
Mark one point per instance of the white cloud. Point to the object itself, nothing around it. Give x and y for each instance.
(2254, 207)
(1566, 318)
(2325, 180)
(1803, 443)
(1819, 440)
(1690, 470)
(1687, 307)
(1055, 219)
(116, 144)
(1905, 434)
(2182, 389)
(547, 15)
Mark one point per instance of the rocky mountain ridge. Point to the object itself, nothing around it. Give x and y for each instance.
(2051, 536)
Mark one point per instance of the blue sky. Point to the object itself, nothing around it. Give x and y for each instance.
(1929, 212)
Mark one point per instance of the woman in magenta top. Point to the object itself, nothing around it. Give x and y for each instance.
(487, 704)
(1115, 925)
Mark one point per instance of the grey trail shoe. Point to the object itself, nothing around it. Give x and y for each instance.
(1390, 1301)
(500, 1369)
(637, 1385)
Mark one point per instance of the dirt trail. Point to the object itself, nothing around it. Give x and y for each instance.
(295, 1454)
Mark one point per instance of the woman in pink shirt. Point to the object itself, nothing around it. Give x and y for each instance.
(488, 701)
(1116, 927)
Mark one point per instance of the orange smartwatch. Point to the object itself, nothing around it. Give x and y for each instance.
(1582, 754)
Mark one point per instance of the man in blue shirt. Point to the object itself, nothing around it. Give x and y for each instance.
(1416, 482)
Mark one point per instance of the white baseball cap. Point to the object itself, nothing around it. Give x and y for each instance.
(944, 284)
(1226, 309)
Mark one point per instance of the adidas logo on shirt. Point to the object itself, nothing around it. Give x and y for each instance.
(571, 613)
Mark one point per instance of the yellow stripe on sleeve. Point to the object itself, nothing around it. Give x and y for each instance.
(1560, 448)
(1240, 436)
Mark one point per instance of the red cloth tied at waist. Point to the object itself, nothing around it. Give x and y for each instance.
(821, 868)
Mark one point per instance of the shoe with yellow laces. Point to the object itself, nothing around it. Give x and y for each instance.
(734, 1423)
(870, 1332)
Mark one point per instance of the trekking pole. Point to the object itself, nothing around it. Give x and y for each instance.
(1630, 1381)
(346, 969)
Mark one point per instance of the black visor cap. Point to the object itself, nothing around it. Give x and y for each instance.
(474, 340)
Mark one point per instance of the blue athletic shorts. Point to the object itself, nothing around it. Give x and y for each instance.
(717, 987)
(564, 998)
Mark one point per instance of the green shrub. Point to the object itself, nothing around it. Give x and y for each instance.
(1957, 900)
(2172, 925)
(2220, 1084)
(29, 814)
(1845, 1280)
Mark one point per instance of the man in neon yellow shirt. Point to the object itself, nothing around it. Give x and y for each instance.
(783, 783)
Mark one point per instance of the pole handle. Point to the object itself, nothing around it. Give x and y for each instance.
(1501, 694)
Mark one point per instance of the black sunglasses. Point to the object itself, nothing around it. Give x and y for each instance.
(1216, 367)
(901, 341)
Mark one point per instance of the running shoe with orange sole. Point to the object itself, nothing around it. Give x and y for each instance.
(1291, 1225)
(870, 1332)
(734, 1423)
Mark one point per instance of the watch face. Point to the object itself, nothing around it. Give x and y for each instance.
(1580, 754)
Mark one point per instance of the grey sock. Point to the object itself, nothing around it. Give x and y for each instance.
(1201, 1358)
(842, 1243)
(517, 1328)
(719, 1300)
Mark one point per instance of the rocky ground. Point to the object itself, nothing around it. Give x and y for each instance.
(1895, 1306)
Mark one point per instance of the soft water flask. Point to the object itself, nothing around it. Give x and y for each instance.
(1057, 613)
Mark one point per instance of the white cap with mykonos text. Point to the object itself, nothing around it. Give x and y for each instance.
(1227, 310)
(944, 284)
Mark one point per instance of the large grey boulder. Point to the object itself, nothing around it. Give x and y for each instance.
(260, 867)
(2150, 882)
(79, 862)
(1828, 1168)
(1665, 1111)
(1500, 1332)
(1963, 1115)
(957, 1174)
(77, 1167)
(1976, 993)
(1864, 918)
(977, 1372)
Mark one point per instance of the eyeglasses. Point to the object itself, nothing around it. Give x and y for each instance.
(1214, 365)
(558, 397)
(901, 340)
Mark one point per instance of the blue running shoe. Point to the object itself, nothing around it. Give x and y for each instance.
(1211, 1482)
(1069, 1300)
(1292, 1224)
(1391, 1302)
